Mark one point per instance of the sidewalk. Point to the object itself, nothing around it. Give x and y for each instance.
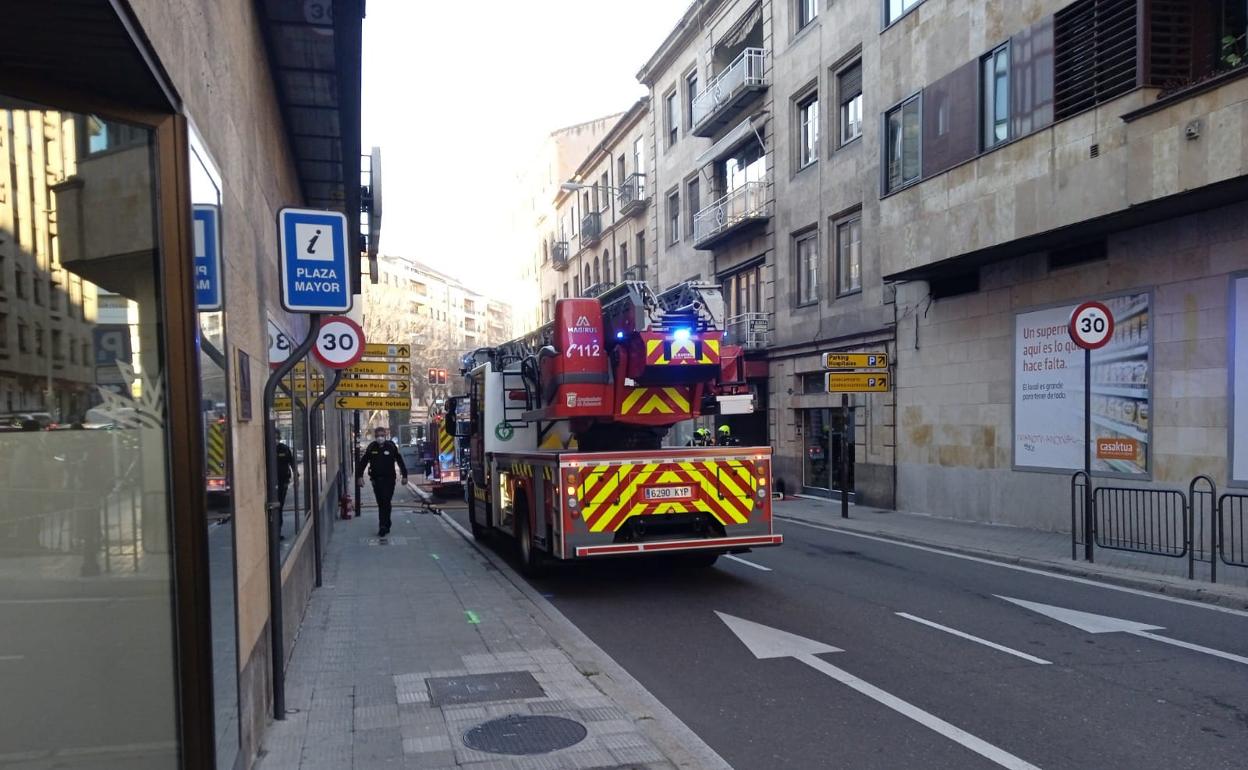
(1027, 547)
(397, 621)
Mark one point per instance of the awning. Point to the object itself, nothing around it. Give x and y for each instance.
(737, 35)
(730, 141)
(315, 56)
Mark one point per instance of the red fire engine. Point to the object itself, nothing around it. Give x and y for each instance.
(565, 430)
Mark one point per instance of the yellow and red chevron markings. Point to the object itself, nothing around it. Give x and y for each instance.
(446, 442)
(662, 352)
(612, 494)
(660, 400)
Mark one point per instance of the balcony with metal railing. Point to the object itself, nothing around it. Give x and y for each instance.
(730, 92)
(591, 228)
(750, 331)
(633, 195)
(747, 205)
(559, 255)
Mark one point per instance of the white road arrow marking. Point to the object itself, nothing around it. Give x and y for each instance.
(976, 639)
(748, 563)
(767, 642)
(1103, 624)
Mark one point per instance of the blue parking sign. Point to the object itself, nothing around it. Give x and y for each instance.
(315, 274)
(205, 220)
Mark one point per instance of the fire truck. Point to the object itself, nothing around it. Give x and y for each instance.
(565, 433)
(445, 477)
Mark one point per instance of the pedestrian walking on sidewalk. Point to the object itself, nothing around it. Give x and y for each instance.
(380, 457)
(287, 469)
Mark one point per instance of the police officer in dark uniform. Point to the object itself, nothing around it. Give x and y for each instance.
(380, 457)
(286, 470)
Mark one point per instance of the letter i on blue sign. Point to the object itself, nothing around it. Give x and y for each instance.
(205, 222)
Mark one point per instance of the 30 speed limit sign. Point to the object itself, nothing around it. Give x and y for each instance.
(1091, 325)
(339, 342)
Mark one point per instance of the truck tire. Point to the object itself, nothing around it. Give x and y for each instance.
(532, 560)
(479, 530)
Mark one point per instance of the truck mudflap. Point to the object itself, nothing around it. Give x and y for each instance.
(672, 500)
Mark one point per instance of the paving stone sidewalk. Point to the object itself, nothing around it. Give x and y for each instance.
(1047, 550)
(426, 604)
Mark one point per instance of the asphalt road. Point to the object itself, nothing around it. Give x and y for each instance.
(1103, 700)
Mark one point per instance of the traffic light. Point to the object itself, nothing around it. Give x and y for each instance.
(433, 376)
(441, 376)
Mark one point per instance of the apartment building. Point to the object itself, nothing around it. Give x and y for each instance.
(435, 313)
(599, 235)
(538, 184)
(943, 181)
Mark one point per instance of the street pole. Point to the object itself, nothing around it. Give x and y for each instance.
(1088, 527)
(844, 455)
(316, 472)
(272, 506)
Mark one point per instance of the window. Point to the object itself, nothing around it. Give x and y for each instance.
(606, 265)
(641, 256)
(849, 256)
(19, 282)
(691, 94)
(902, 148)
(895, 9)
(808, 129)
(672, 116)
(597, 273)
(807, 257)
(995, 88)
(623, 252)
(565, 289)
(604, 182)
(621, 171)
(692, 195)
(58, 353)
(576, 285)
(807, 10)
(673, 217)
(743, 292)
(23, 338)
(849, 91)
(639, 156)
(4, 331)
(4, 263)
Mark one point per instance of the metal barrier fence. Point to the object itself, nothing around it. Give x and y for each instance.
(106, 533)
(1193, 523)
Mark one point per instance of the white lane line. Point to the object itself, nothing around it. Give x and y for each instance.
(976, 639)
(930, 721)
(12, 657)
(747, 563)
(1192, 647)
(1020, 568)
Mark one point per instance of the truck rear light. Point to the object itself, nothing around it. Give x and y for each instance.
(762, 493)
(515, 395)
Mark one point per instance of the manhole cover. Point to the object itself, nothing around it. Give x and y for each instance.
(483, 688)
(520, 734)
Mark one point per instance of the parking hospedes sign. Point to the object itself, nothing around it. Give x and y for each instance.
(315, 274)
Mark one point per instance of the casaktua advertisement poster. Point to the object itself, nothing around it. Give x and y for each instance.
(1239, 374)
(1048, 391)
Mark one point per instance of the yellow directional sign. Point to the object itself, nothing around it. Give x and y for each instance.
(373, 349)
(855, 360)
(354, 385)
(858, 382)
(372, 402)
(378, 367)
(282, 404)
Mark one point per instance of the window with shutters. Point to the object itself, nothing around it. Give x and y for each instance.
(1095, 53)
(849, 96)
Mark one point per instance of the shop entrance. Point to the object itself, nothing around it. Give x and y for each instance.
(822, 432)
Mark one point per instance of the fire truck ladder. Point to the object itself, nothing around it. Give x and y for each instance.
(517, 395)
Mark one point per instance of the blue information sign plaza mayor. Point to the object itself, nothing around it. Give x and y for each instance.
(315, 275)
(207, 258)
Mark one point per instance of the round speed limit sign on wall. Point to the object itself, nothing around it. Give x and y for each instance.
(339, 342)
(1091, 325)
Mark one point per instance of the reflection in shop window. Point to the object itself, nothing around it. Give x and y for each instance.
(83, 450)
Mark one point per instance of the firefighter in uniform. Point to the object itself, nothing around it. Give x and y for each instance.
(726, 438)
(380, 457)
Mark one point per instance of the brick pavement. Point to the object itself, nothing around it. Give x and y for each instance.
(424, 604)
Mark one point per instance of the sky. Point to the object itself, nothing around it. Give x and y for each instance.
(459, 96)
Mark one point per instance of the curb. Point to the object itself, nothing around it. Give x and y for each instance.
(681, 745)
(1113, 575)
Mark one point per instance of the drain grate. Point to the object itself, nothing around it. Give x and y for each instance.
(521, 734)
(483, 688)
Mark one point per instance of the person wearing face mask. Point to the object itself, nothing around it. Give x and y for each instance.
(380, 457)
